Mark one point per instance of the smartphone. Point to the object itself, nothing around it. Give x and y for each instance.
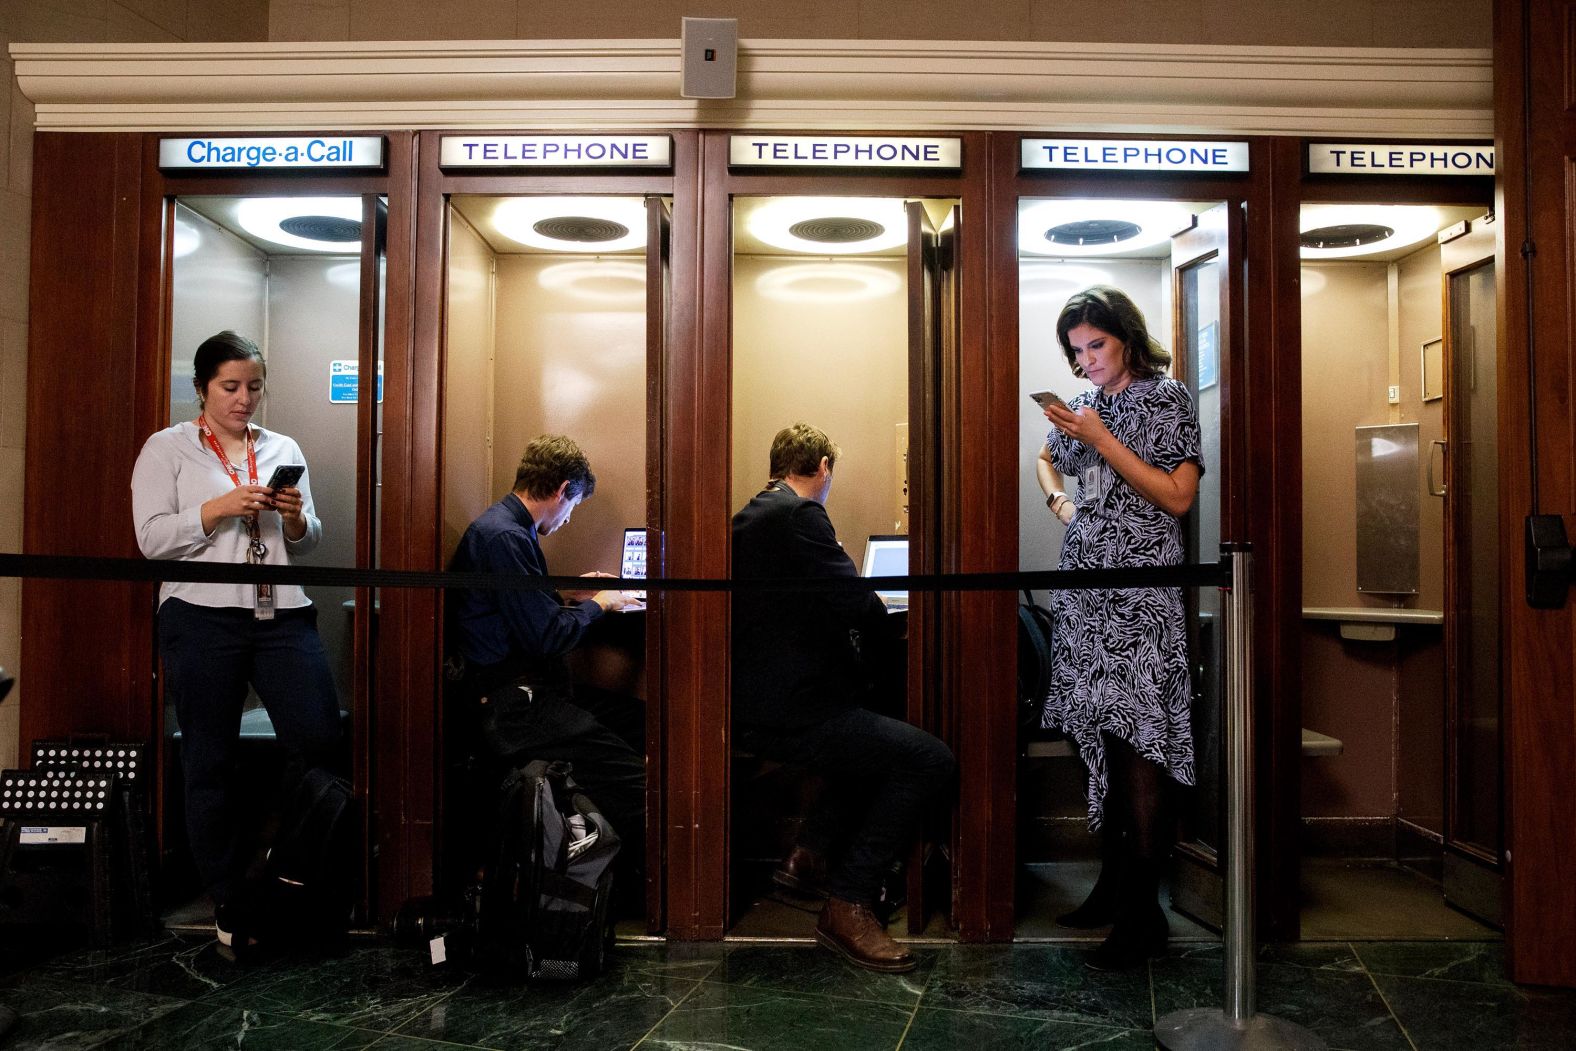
(286, 475)
(1047, 398)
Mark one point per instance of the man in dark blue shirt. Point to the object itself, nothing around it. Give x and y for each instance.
(509, 647)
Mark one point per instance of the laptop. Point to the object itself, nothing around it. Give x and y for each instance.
(633, 563)
(886, 555)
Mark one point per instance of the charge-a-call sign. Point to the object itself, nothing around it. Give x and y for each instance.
(228, 154)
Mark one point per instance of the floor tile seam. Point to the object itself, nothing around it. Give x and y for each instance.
(1405, 1033)
(1039, 1018)
(803, 992)
(100, 986)
(695, 988)
(394, 1029)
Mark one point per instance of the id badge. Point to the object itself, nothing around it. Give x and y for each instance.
(264, 608)
(1091, 484)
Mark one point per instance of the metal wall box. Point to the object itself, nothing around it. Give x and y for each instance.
(1387, 509)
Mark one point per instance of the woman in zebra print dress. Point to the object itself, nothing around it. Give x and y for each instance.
(1120, 686)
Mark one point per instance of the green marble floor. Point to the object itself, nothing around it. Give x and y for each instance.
(179, 993)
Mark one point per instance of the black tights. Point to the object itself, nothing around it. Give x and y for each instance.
(1135, 803)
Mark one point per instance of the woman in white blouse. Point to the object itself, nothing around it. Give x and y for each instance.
(200, 493)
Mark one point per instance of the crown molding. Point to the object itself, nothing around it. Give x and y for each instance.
(822, 84)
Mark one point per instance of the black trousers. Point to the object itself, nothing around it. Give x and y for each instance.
(881, 773)
(210, 655)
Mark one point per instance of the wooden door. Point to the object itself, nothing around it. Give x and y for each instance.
(1535, 147)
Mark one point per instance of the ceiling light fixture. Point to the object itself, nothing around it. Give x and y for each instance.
(831, 225)
(573, 224)
(1098, 227)
(318, 224)
(1368, 229)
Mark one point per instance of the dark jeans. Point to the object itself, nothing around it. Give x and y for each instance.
(601, 734)
(880, 772)
(210, 655)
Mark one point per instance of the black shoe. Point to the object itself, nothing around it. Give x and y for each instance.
(1131, 942)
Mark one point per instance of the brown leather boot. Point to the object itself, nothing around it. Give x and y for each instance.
(803, 873)
(853, 932)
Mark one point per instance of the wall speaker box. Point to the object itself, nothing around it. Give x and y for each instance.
(711, 58)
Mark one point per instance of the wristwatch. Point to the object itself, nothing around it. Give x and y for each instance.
(1050, 500)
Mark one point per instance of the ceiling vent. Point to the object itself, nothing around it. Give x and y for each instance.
(329, 228)
(582, 229)
(837, 230)
(1087, 232)
(1345, 235)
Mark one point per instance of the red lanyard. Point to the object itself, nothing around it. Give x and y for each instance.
(224, 461)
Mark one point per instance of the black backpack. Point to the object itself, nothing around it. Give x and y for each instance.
(544, 906)
(308, 883)
(541, 906)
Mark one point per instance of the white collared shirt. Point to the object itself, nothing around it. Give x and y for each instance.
(176, 473)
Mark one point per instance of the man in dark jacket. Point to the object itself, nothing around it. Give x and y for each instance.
(509, 647)
(800, 692)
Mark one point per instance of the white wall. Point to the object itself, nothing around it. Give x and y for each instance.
(1045, 285)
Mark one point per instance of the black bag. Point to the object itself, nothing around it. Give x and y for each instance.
(1034, 654)
(308, 884)
(541, 906)
(544, 904)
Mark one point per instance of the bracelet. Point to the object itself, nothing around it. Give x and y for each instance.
(1055, 495)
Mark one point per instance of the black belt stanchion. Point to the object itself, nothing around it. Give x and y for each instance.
(1237, 1025)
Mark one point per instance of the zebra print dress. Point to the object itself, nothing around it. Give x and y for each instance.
(1120, 655)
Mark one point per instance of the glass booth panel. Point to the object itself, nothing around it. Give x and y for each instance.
(1475, 739)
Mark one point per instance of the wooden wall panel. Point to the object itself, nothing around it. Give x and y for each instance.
(1535, 193)
(84, 429)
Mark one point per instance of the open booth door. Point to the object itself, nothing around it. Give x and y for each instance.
(1205, 305)
(659, 296)
(933, 302)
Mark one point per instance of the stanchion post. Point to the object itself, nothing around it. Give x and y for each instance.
(1237, 1025)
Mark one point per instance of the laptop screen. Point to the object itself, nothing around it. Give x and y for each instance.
(633, 564)
(886, 556)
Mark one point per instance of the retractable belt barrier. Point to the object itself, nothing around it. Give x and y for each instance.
(1236, 1025)
(68, 567)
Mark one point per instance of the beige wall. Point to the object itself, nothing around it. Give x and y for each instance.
(1383, 700)
(1335, 23)
(468, 486)
(571, 359)
(804, 348)
(43, 21)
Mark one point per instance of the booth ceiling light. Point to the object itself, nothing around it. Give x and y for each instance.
(831, 225)
(573, 224)
(318, 224)
(1098, 227)
(1349, 230)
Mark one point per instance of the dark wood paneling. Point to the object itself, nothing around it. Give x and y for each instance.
(1271, 433)
(84, 390)
(697, 468)
(1535, 149)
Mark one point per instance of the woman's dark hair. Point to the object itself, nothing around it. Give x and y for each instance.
(215, 351)
(1110, 310)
